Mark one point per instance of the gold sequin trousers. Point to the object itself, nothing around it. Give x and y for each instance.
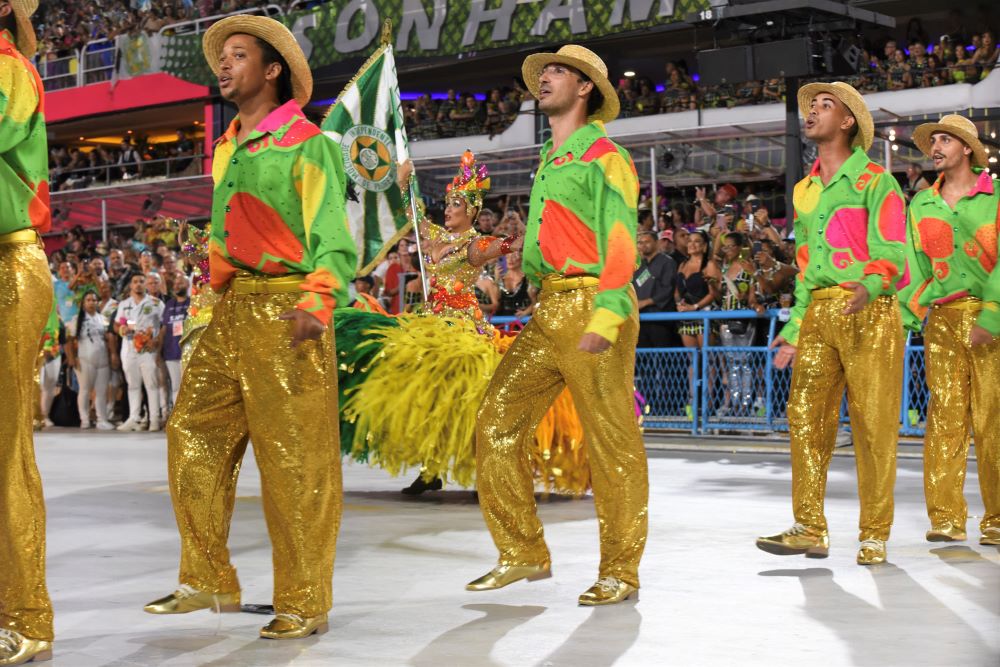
(863, 351)
(245, 382)
(542, 361)
(25, 302)
(964, 383)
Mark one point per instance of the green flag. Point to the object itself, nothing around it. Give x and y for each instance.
(367, 122)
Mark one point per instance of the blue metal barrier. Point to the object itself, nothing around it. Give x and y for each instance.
(718, 388)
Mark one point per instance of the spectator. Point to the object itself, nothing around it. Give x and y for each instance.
(665, 243)
(898, 75)
(154, 285)
(87, 352)
(697, 286)
(129, 161)
(465, 115)
(706, 209)
(772, 277)
(678, 92)
(773, 91)
(915, 181)
(446, 127)
(653, 281)
(747, 93)
(119, 273)
(137, 321)
(737, 294)
(496, 111)
(987, 53)
(402, 270)
(486, 221)
(175, 312)
(646, 103)
(65, 295)
(515, 298)
(681, 239)
(145, 262)
(185, 153)
(487, 294)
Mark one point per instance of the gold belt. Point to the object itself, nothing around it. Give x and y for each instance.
(557, 283)
(21, 236)
(835, 292)
(250, 284)
(965, 303)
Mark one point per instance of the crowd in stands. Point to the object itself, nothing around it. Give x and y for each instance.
(462, 114)
(74, 168)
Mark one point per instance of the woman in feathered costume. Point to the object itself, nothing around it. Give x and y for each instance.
(413, 384)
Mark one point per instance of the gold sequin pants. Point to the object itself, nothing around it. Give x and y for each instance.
(244, 381)
(863, 351)
(542, 361)
(25, 302)
(964, 383)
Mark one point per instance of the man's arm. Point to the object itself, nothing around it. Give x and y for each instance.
(989, 317)
(18, 101)
(886, 237)
(615, 195)
(330, 251)
(917, 277)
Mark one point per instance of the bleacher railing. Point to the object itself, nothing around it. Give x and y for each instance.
(715, 388)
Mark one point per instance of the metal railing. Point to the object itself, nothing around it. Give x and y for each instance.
(200, 25)
(59, 73)
(106, 174)
(716, 388)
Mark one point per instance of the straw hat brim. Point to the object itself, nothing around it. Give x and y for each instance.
(27, 43)
(851, 98)
(922, 138)
(532, 68)
(272, 32)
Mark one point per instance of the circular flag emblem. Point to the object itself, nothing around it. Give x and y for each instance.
(369, 157)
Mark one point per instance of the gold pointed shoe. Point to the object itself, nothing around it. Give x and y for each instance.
(504, 575)
(946, 532)
(797, 540)
(872, 552)
(291, 626)
(187, 599)
(16, 649)
(608, 590)
(990, 537)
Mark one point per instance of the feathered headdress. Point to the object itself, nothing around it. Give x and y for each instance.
(471, 181)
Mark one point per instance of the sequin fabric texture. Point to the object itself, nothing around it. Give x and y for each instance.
(245, 382)
(542, 361)
(964, 382)
(863, 352)
(25, 304)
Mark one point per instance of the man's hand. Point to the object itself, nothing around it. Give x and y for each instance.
(699, 193)
(304, 326)
(980, 336)
(786, 353)
(857, 302)
(594, 343)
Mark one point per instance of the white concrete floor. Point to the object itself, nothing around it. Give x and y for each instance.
(709, 597)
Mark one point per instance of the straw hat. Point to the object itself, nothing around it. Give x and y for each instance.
(579, 58)
(27, 44)
(956, 126)
(272, 32)
(852, 100)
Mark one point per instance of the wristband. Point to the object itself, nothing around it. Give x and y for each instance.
(505, 248)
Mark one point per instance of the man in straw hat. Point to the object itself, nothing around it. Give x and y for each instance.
(845, 327)
(952, 256)
(265, 368)
(25, 608)
(579, 247)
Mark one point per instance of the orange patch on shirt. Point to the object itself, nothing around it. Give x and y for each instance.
(802, 258)
(936, 238)
(619, 259)
(562, 237)
(256, 236)
(884, 268)
(38, 209)
(986, 237)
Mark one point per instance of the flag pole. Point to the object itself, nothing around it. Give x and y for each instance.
(414, 211)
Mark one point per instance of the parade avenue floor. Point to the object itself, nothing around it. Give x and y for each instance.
(709, 597)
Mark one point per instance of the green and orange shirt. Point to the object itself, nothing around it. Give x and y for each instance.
(583, 221)
(848, 232)
(952, 252)
(279, 208)
(24, 155)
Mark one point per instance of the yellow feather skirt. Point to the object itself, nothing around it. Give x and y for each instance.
(417, 407)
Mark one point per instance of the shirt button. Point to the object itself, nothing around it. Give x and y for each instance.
(228, 208)
(537, 242)
(543, 177)
(821, 216)
(230, 184)
(235, 161)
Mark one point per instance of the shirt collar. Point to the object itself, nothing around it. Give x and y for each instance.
(6, 36)
(983, 186)
(277, 123)
(577, 143)
(852, 167)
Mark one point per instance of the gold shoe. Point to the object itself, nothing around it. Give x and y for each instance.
(609, 590)
(290, 626)
(946, 532)
(872, 552)
(504, 575)
(16, 649)
(797, 540)
(186, 599)
(990, 537)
